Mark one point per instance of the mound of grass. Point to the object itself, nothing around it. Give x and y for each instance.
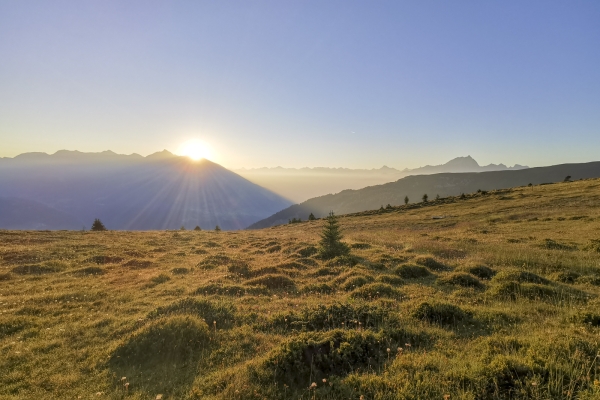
(292, 265)
(554, 245)
(308, 251)
(35, 269)
(221, 312)
(408, 271)
(171, 339)
(272, 282)
(593, 245)
(138, 264)
(391, 279)
(325, 271)
(593, 280)
(566, 277)
(587, 318)
(214, 261)
(480, 271)
(461, 279)
(317, 288)
(375, 291)
(317, 356)
(356, 281)
(5, 276)
(520, 276)
(161, 278)
(532, 291)
(240, 268)
(231, 290)
(440, 313)
(89, 271)
(105, 259)
(165, 352)
(431, 263)
(342, 261)
(335, 316)
(180, 271)
(360, 246)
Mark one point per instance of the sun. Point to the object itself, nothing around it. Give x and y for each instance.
(195, 149)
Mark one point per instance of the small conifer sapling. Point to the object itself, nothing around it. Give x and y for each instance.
(98, 226)
(405, 200)
(331, 245)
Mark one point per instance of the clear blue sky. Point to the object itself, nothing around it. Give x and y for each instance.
(305, 83)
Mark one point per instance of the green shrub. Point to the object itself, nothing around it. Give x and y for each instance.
(222, 312)
(331, 245)
(408, 271)
(173, 339)
(376, 290)
(440, 313)
(461, 279)
(272, 282)
(431, 263)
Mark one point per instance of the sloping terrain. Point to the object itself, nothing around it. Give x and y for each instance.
(490, 296)
(350, 201)
(161, 191)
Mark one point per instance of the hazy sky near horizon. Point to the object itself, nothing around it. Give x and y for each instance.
(304, 83)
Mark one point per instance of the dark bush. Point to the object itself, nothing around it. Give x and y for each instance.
(35, 269)
(180, 271)
(104, 260)
(162, 278)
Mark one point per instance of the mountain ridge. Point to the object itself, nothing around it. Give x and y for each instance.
(415, 186)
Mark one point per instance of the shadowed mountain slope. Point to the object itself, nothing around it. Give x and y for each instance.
(161, 191)
(447, 184)
(18, 213)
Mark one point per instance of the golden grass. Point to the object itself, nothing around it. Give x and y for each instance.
(497, 299)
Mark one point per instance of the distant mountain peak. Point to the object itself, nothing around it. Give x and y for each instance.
(161, 155)
(467, 161)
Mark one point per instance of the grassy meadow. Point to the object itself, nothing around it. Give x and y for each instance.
(490, 296)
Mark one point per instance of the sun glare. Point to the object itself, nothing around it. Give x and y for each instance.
(195, 149)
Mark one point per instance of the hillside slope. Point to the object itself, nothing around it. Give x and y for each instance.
(496, 297)
(18, 213)
(349, 201)
(161, 191)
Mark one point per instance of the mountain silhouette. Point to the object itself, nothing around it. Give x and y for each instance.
(415, 186)
(300, 184)
(160, 191)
